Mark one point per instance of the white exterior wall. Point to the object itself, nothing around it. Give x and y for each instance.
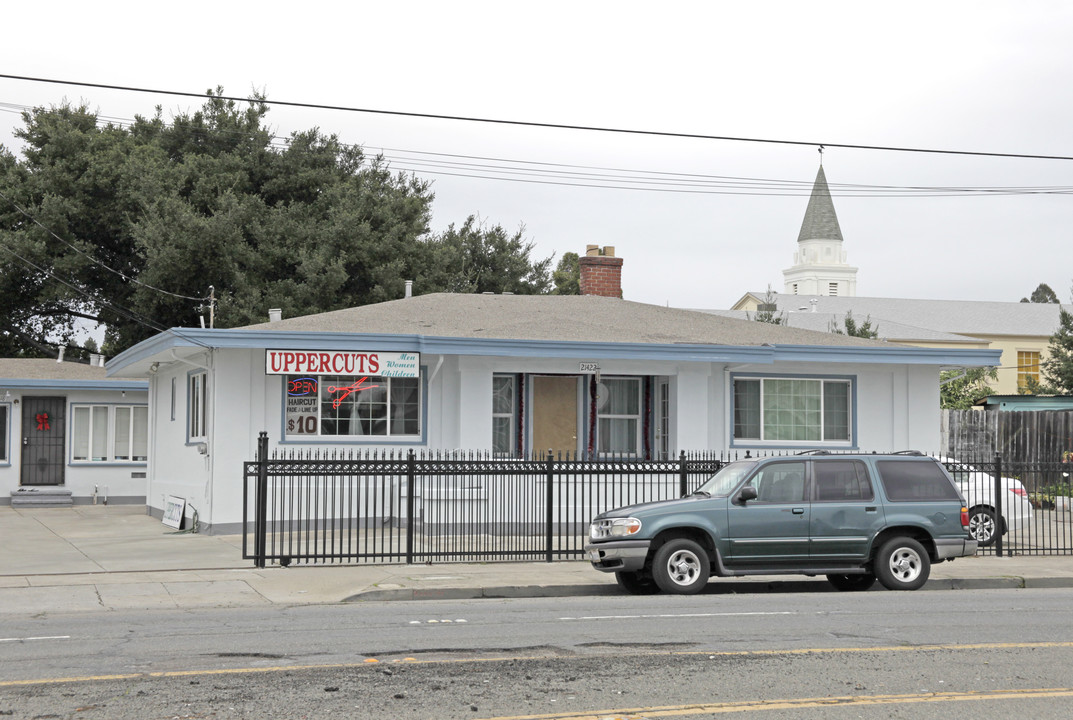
(897, 407)
(116, 482)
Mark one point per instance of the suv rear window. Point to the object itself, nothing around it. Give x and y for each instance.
(915, 480)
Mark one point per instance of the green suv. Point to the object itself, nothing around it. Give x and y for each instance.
(853, 518)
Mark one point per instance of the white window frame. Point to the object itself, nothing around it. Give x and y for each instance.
(511, 416)
(5, 434)
(97, 413)
(638, 418)
(851, 405)
(196, 406)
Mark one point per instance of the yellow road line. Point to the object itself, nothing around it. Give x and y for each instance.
(366, 662)
(795, 704)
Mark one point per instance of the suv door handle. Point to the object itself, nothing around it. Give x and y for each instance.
(799, 511)
(870, 508)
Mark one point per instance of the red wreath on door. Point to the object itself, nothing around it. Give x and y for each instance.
(42, 421)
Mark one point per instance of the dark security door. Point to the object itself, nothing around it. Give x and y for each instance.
(43, 424)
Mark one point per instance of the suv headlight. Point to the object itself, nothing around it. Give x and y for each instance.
(614, 527)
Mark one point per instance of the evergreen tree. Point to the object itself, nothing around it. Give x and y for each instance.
(1057, 368)
(768, 311)
(1042, 294)
(851, 328)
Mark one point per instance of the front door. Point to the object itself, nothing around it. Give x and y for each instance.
(43, 424)
(555, 411)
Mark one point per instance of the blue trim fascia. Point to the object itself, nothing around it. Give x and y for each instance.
(111, 385)
(900, 354)
(500, 347)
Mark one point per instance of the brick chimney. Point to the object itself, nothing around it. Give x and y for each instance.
(601, 272)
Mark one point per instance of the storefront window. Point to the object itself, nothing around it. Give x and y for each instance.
(351, 406)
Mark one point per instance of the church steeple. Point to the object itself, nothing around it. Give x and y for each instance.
(820, 262)
(821, 222)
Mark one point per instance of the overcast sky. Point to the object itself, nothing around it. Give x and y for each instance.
(980, 76)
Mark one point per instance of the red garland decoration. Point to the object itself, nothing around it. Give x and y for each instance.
(42, 421)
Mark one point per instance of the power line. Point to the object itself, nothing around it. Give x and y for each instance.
(422, 162)
(552, 126)
(92, 259)
(119, 309)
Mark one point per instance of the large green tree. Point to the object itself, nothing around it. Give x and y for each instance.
(131, 226)
(477, 258)
(567, 275)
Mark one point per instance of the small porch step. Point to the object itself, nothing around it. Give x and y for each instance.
(41, 496)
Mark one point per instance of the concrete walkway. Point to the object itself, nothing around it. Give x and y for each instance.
(96, 557)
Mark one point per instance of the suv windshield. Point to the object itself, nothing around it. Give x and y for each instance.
(727, 478)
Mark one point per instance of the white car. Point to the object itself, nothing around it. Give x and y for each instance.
(978, 487)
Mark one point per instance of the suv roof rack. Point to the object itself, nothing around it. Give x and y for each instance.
(908, 452)
(814, 452)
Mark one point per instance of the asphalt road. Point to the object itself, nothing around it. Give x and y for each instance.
(874, 654)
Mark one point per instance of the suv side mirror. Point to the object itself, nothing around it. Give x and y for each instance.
(747, 493)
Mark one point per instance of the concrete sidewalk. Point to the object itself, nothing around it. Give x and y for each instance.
(96, 557)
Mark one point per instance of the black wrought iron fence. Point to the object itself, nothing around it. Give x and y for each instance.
(347, 506)
(1028, 502)
(352, 507)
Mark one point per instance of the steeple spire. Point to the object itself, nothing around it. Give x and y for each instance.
(820, 261)
(821, 222)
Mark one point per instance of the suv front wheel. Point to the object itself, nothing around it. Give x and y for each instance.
(681, 566)
(902, 564)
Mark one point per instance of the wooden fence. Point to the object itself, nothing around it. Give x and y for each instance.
(1037, 436)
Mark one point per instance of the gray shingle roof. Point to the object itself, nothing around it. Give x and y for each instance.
(46, 369)
(821, 222)
(587, 318)
(887, 329)
(963, 317)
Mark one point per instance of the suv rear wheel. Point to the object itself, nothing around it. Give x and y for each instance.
(681, 566)
(902, 564)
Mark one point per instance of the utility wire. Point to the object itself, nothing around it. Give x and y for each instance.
(420, 162)
(553, 126)
(119, 309)
(89, 257)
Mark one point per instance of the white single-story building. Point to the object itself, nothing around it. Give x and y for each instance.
(69, 434)
(588, 375)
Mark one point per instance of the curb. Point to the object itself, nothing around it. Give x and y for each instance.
(716, 588)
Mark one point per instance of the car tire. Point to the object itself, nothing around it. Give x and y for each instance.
(902, 564)
(636, 583)
(852, 583)
(982, 525)
(681, 566)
